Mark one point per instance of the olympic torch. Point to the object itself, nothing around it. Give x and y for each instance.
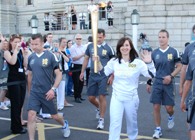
(94, 20)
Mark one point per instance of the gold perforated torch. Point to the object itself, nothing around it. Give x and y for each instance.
(94, 20)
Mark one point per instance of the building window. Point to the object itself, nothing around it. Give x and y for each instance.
(29, 2)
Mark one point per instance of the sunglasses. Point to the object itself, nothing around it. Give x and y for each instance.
(78, 38)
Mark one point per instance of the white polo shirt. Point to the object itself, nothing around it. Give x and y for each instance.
(76, 50)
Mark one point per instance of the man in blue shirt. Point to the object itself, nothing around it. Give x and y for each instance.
(97, 85)
(165, 58)
(42, 66)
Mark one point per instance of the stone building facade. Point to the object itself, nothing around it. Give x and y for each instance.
(177, 16)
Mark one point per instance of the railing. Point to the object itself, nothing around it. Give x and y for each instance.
(61, 21)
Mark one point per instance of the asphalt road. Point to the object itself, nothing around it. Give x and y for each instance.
(83, 123)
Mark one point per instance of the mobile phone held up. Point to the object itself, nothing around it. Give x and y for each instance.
(23, 45)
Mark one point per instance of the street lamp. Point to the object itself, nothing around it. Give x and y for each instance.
(34, 24)
(134, 22)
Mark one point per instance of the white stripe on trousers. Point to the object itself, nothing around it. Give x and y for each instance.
(117, 107)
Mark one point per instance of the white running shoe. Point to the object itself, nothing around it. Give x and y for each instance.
(171, 122)
(157, 134)
(97, 114)
(66, 129)
(100, 124)
(4, 107)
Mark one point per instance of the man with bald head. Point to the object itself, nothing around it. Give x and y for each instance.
(77, 52)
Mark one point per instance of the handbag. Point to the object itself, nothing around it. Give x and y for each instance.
(190, 109)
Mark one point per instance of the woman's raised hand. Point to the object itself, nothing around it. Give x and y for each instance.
(146, 56)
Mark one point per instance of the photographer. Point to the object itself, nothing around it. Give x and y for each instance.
(110, 13)
(17, 58)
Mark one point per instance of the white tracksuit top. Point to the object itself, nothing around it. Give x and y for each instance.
(126, 76)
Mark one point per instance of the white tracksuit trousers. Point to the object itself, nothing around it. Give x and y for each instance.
(117, 107)
(61, 94)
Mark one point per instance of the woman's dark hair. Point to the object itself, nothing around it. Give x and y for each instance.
(132, 54)
(12, 37)
(68, 42)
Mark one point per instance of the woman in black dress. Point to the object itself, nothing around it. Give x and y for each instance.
(17, 58)
(74, 17)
